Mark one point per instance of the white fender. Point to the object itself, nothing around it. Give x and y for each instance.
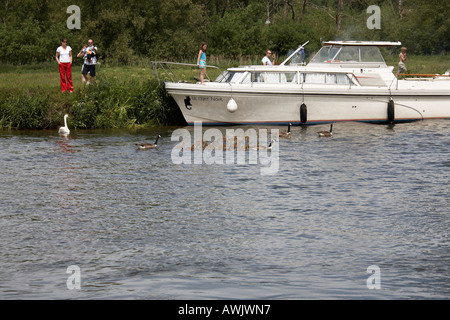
(232, 105)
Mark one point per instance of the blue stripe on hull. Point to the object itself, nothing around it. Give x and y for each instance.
(285, 123)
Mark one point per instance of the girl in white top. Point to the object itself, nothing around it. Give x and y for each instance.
(64, 59)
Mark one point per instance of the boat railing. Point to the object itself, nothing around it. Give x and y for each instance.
(422, 75)
(166, 67)
(300, 50)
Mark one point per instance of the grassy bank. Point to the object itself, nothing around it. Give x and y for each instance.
(123, 96)
(30, 98)
(422, 64)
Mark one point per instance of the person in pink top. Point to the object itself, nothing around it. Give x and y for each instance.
(64, 59)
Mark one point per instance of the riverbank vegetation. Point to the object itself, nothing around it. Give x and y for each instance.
(131, 34)
(123, 99)
(122, 96)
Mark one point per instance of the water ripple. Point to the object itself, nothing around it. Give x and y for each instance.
(141, 227)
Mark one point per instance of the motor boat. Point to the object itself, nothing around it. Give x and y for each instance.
(344, 81)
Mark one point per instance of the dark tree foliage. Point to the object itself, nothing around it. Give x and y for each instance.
(126, 31)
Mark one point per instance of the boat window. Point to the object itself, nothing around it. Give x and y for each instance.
(371, 54)
(326, 78)
(348, 54)
(275, 77)
(330, 78)
(221, 77)
(257, 77)
(233, 76)
(314, 78)
(229, 76)
(291, 77)
(247, 78)
(341, 78)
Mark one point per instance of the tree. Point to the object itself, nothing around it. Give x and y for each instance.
(30, 29)
(339, 13)
(302, 11)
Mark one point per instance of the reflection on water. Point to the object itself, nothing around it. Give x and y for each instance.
(139, 226)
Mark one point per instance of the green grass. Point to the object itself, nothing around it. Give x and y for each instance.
(46, 76)
(422, 64)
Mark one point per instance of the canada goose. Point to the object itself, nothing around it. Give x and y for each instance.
(149, 145)
(287, 134)
(326, 133)
(65, 129)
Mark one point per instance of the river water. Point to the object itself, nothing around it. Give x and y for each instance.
(139, 226)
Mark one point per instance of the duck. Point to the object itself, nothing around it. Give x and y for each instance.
(326, 133)
(287, 134)
(149, 145)
(65, 129)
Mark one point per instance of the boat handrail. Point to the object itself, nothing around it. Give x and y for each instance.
(422, 75)
(302, 47)
(264, 69)
(171, 74)
(362, 43)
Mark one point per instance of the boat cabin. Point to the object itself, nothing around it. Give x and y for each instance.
(336, 63)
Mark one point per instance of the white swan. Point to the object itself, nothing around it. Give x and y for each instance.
(65, 129)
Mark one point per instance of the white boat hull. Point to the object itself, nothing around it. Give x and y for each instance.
(281, 106)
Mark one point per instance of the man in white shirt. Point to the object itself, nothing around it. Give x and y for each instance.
(266, 60)
(89, 53)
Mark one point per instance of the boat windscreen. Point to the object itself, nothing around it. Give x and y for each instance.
(325, 54)
(348, 54)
